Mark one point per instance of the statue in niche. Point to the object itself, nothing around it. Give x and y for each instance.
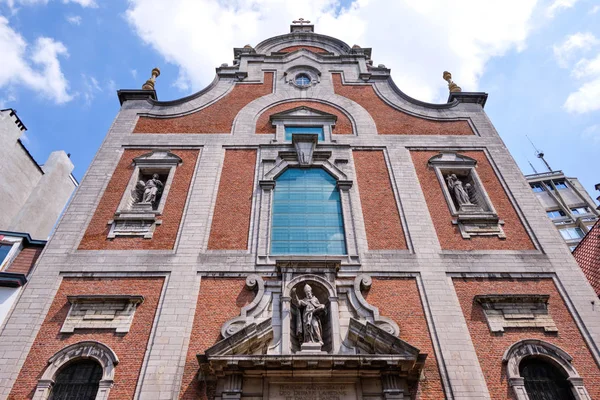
(460, 192)
(308, 328)
(148, 192)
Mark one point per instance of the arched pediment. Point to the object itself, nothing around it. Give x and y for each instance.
(97, 351)
(328, 43)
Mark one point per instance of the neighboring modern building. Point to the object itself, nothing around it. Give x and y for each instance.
(566, 203)
(303, 229)
(587, 253)
(32, 197)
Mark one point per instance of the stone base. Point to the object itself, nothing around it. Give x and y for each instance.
(311, 348)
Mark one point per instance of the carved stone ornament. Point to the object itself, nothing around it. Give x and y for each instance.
(305, 325)
(97, 351)
(145, 196)
(467, 199)
(101, 312)
(545, 351)
(516, 311)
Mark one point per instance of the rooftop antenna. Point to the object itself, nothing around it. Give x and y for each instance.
(532, 167)
(539, 154)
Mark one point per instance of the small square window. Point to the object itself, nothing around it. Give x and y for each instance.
(556, 213)
(537, 187)
(303, 130)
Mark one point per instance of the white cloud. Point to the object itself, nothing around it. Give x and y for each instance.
(91, 87)
(134, 73)
(586, 68)
(38, 69)
(585, 99)
(559, 5)
(83, 3)
(417, 39)
(74, 19)
(111, 86)
(13, 3)
(572, 45)
(595, 9)
(592, 133)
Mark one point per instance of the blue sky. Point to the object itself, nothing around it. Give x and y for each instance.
(63, 61)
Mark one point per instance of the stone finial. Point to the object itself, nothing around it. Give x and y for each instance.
(149, 85)
(453, 87)
(248, 46)
(300, 21)
(356, 46)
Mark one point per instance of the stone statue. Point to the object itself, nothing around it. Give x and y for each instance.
(458, 191)
(309, 326)
(147, 192)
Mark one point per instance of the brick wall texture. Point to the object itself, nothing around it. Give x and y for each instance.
(216, 118)
(218, 301)
(314, 49)
(490, 347)
(587, 255)
(449, 234)
(379, 206)
(25, 260)
(165, 234)
(231, 218)
(399, 300)
(129, 348)
(343, 125)
(392, 121)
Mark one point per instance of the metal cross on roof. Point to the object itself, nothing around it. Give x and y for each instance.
(300, 21)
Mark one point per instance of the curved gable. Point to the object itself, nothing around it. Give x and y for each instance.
(314, 49)
(216, 118)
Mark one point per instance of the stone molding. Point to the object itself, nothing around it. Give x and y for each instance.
(520, 350)
(516, 311)
(250, 313)
(101, 312)
(96, 351)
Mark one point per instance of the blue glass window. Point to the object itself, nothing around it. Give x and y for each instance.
(537, 187)
(302, 80)
(307, 214)
(556, 213)
(4, 250)
(289, 130)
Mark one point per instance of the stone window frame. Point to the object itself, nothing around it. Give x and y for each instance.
(451, 162)
(159, 161)
(17, 246)
(324, 120)
(266, 181)
(89, 349)
(545, 351)
(128, 302)
(291, 74)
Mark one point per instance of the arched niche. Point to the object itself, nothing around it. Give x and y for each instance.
(96, 351)
(544, 351)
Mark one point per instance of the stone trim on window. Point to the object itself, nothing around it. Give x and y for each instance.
(470, 206)
(96, 351)
(305, 117)
(101, 312)
(545, 351)
(516, 311)
(136, 215)
(313, 74)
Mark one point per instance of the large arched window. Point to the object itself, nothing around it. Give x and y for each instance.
(78, 380)
(543, 381)
(307, 214)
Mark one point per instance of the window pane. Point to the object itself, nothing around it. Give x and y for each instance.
(555, 213)
(318, 130)
(571, 233)
(536, 187)
(307, 214)
(4, 249)
(560, 184)
(580, 210)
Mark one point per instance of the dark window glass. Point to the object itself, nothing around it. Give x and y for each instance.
(4, 250)
(302, 130)
(77, 381)
(543, 381)
(537, 187)
(307, 214)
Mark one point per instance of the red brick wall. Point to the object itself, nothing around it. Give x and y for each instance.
(391, 121)
(165, 234)
(342, 125)
(448, 234)
(231, 219)
(399, 300)
(130, 347)
(587, 255)
(490, 348)
(314, 49)
(216, 118)
(218, 301)
(380, 211)
(24, 260)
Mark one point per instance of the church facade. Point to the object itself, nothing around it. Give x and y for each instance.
(302, 229)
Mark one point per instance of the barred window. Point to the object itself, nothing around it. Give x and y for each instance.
(543, 381)
(79, 380)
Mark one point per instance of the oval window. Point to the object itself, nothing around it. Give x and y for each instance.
(303, 80)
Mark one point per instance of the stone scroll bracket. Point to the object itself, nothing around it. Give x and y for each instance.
(252, 312)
